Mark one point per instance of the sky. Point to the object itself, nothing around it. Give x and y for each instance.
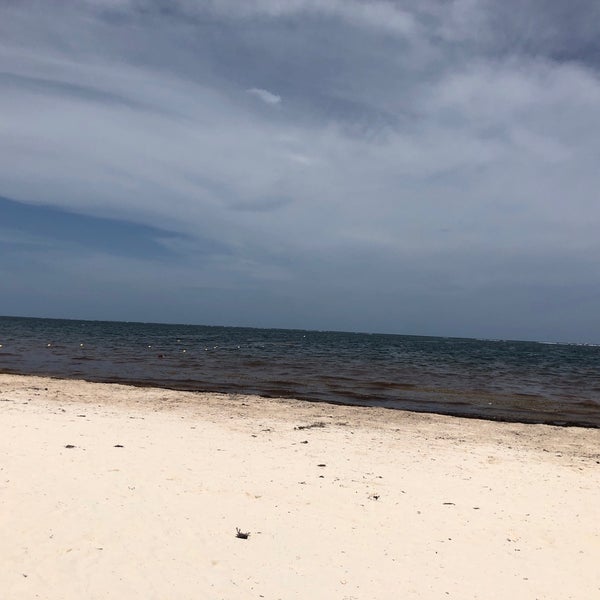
(426, 168)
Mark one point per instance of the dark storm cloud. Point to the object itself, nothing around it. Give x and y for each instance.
(48, 227)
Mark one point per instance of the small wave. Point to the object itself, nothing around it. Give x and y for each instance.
(389, 385)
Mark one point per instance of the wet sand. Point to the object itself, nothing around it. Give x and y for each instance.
(110, 491)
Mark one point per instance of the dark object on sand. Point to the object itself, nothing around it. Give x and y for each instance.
(321, 465)
(118, 446)
(311, 426)
(243, 535)
(69, 446)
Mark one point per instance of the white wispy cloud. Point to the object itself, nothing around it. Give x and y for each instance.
(265, 95)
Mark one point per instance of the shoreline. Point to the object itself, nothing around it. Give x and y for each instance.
(524, 418)
(414, 505)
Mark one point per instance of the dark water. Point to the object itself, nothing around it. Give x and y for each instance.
(505, 380)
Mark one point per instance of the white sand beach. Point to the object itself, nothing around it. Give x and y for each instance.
(340, 502)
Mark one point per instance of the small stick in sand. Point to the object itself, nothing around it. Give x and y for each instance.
(244, 535)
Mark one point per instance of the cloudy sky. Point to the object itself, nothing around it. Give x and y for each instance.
(424, 167)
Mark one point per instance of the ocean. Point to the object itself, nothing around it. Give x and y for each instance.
(529, 382)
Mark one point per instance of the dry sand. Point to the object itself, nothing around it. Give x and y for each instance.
(361, 504)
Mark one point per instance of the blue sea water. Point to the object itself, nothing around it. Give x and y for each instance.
(492, 379)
